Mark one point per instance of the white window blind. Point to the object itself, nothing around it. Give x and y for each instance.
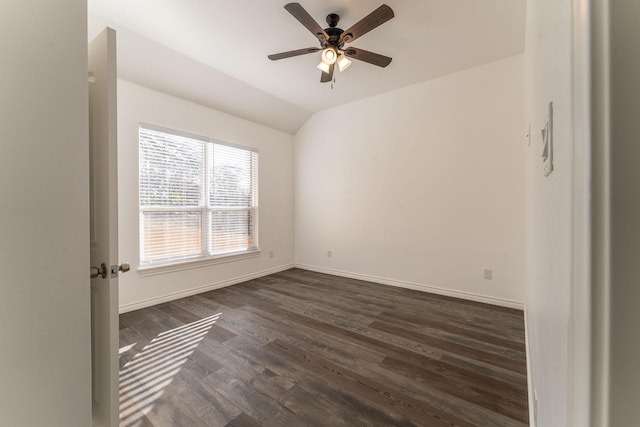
(198, 198)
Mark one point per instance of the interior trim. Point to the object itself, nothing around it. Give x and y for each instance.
(193, 291)
(152, 270)
(417, 286)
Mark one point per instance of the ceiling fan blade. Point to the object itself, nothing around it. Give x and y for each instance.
(366, 24)
(327, 77)
(305, 19)
(366, 56)
(289, 54)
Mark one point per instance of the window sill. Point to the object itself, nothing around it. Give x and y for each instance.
(153, 270)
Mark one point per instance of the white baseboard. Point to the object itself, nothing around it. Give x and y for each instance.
(193, 291)
(416, 286)
(530, 388)
(375, 279)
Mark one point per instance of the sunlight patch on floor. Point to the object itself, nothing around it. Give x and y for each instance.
(144, 379)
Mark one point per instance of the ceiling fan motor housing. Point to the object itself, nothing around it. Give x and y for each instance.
(333, 32)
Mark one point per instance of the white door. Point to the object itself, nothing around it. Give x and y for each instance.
(104, 228)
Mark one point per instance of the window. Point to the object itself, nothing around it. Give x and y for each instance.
(198, 197)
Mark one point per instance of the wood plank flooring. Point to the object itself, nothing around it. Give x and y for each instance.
(299, 348)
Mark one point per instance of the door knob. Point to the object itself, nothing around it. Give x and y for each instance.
(102, 271)
(115, 269)
(99, 271)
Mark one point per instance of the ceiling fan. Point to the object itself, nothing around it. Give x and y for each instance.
(332, 40)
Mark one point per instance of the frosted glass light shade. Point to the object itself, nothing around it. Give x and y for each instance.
(343, 62)
(324, 67)
(329, 56)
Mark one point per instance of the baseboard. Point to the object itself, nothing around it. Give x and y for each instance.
(415, 286)
(194, 291)
(532, 402)
(375, 279)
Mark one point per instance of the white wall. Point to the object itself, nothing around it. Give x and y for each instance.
(548, 77)
(45, 359)
(420, 187)
(138, 104)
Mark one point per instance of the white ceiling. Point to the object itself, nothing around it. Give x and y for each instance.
(214, 52)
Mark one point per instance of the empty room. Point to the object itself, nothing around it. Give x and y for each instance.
(325, 213)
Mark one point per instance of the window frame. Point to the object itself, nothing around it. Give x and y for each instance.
(205, 210)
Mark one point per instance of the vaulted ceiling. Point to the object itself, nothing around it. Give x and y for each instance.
(214, 52)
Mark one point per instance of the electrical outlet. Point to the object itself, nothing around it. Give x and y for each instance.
(488, 274)
(328, 254)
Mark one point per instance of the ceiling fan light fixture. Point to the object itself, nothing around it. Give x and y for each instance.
(332, 40)
(343, 62)
(329, 56)
(324, 67)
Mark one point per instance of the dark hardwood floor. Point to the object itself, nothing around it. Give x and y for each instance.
(300, 348)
